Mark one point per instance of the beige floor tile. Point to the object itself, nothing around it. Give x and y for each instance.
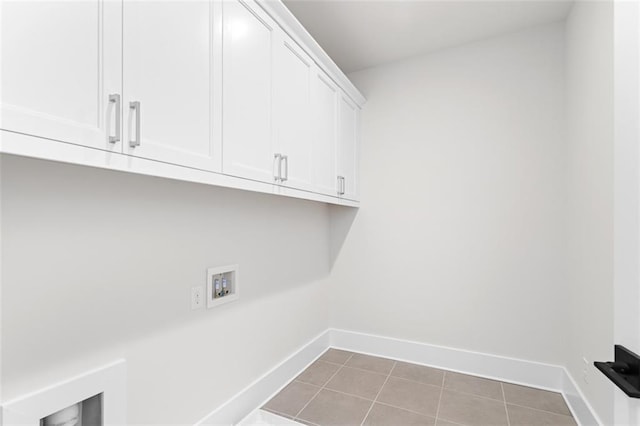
(411, 396)
(318, 373)
(336, 356)
(371, 363)
(418, 373)
(357, 382)
(474, 385)
(521, 416)
(471, 410)
(291, 399)
(385, 415)
(536, 398)
(441, 422)
(332, 408)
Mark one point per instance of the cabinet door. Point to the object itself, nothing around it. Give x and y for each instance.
(248, 42)
(169, 81)
(348, 133)
(294, 71)
(325, 128)
(60, 62)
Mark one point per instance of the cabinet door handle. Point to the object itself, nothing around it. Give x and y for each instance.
(344, 185)
(278, 159)
(285, 158)
(135, 106)
(115, 99)
(339, 185)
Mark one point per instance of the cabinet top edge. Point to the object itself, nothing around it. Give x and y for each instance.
(299, 33)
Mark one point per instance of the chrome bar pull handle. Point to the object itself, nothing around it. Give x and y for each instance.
(285, 158)
(135, 106)
(341, 185)
(115, 99)
(278, 159)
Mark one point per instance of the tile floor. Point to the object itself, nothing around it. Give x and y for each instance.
(345, 388)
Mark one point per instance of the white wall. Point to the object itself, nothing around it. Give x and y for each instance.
(626, 194)
(98, 265)
(460, 237)
(589, 59)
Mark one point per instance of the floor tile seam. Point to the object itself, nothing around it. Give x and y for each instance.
(378, 394)
(351, 354)
(366, 371)
(355, 368)
(329, 362)
(454, 423)
(444, 374)
(307, 421)
(538, 409)
(474, 394)
(506, 410)
(348, 394)
(417, 383)
(405, 409)
(296, 380)
(319, 390)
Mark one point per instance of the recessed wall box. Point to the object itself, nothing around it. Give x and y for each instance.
(222, 285)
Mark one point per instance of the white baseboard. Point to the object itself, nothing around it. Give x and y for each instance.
(578, 404)
(512, 370)
(260, 391)
(496, 367)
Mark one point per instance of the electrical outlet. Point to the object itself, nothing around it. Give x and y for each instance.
(197, 297)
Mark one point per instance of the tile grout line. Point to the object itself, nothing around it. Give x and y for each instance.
(378, 394)
(364, 369)
(320, 390)
(538, 409)
(471, 394)
(444, 374)
(504, 398)
(407, 410)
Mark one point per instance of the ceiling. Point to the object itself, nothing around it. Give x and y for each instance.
(359, 34)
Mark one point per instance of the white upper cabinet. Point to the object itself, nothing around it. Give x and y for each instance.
(61, 61)
(234, 92)
(348, 147)
(324, 133)
(171, 81)
(249, 38)
(294, 71)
